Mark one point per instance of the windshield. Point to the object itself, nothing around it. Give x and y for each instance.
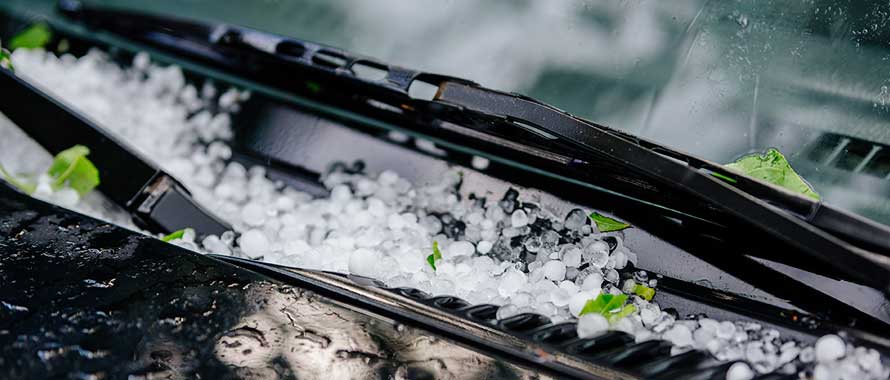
(717, 79)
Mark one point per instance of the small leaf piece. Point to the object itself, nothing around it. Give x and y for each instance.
(35, 36)
(610, 306)
(436, 256)
(625, 311)
(604, 304)
(5, 59)
(724, 177)
(27, 187)
(72, 166)
(607, 224)
(174, 235)
(644, 291)
(772, 167)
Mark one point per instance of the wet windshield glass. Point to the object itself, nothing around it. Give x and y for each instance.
(717, 79)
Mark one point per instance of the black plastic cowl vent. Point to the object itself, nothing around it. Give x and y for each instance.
(649, 359)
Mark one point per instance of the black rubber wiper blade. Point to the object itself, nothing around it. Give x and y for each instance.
(860, 264)
(155, 199)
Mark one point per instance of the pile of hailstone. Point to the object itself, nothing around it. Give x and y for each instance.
(497, 249)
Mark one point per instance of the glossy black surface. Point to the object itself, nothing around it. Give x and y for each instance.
(83, 299)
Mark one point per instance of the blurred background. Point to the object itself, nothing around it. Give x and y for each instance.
(717, 79)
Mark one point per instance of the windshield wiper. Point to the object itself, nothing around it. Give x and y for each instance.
(157, 201)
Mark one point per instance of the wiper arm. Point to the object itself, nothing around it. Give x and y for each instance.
(155, 199)
(797, 220)
(854, 246)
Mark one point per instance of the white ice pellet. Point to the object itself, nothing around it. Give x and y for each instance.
(66, 197)
(555, 270)
(739, 371)
(387, 178)
(214, 244)
(228, 98)
(363, 262)
(725, 330)
(253, 214)
(511, 281)
(575, 220)
(679, 335)
(254, 243)
(572, 258)
(340, 194)
(592, 324)
(480, 163)
(649, 313)
(461, 248)
(577, 302)
(829, 348)
(593, 281)
(518, 219)
(484, 246)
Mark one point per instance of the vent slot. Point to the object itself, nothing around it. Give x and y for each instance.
(690, 360)
(557, 335)
(450, 303)
(627, 357)
(290, 48)
(879, 165)
(412, 293)
(601, 343)
(329, 59)
(523, 323)
(370, 71)
(853, 154)
(483, 313)
(850, 154)
(421, 90)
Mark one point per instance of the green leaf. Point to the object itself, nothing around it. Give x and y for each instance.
(174, 235)
(35, 36)
(644, 291)
(610, 306)
(604, 304)
(625, 311)
(25, 186)
(5, 59)
(607, 224)
(772, 167)
(436, 256)
(71, 166)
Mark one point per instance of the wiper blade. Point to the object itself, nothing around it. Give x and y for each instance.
(677, 171)
(853, 246)
(155, 199)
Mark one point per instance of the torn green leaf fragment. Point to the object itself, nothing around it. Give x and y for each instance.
(607, 224)
(35, 36)
(71, 166)
(23, 185)
(435, 256)
(644, 291)
(624, 312)
(178, 234)
(772, 167)
(604, 303)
